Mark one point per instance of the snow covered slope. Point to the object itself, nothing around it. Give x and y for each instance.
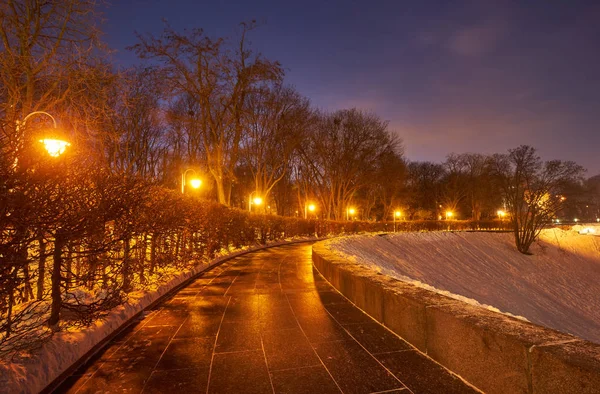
(558, 286)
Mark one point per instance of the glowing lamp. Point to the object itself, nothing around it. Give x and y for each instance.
(55, 147)
(257, 201)
(312, 207)
(195, 183)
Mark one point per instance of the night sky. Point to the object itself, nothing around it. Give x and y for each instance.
(450, 76)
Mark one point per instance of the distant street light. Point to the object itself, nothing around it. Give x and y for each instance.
(449, 215)
(397, 214)
(194, 182)
(350, 212)
(307, 208)
(256, 201)
(53, 145)
(501, 214)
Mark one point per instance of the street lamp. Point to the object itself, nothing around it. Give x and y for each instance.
(54, 146)
(350, 212)
(194, 182)
(257, 201)
(501, 214)
(449, 214)
(397, 214)
(308, 207)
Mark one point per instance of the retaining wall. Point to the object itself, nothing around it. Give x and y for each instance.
(494, 352)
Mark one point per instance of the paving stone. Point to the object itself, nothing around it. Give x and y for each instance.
(321, 328)
(238, 336)
(308, 380)
(240, 372)
(278, 319)
(287, 349)
(214, 289)
(307, 303)
(353, 368)
(122, 375)
(421, 374)
(209, 305)
(347, 314)
(199, 325)
(193, 380)
(332, 297)
(187, 353)
(168, 317)
(242, 308)
(376, 338)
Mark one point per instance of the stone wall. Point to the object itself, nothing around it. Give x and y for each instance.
(494, 352)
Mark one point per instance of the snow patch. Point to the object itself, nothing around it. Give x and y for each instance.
(556, 287)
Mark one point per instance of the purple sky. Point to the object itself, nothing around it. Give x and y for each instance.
(450, 76)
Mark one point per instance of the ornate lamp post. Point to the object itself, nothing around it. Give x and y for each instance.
(194, 182)
(397, 214)
(309, 207)
(350, 212)
(256, 201)
(54, 146)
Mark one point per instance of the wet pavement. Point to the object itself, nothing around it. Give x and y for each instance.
(265, 322)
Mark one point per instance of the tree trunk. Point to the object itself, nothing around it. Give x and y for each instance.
(41, 267)
(59, 243)
(153, 242)
(27, 285)
(126, 265)
(11, 302)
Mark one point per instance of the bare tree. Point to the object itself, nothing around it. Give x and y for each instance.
(218, 77)
(424, 188)
(43, 47)
(276, 118)
(533, 190)
(134, 137)
(342, 153)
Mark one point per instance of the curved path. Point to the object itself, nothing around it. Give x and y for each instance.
(265, 322)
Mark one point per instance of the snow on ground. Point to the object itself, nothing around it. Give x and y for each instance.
(558, 286)
(32, 373)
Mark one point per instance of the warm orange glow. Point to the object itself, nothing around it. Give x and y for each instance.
(501, 213)
(397, 214)
(54, 147)
(312, 207)
(449, 214)
(196, 183)
(257, 201)
(351, 211)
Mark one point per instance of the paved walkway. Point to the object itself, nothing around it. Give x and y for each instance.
(265, 322)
